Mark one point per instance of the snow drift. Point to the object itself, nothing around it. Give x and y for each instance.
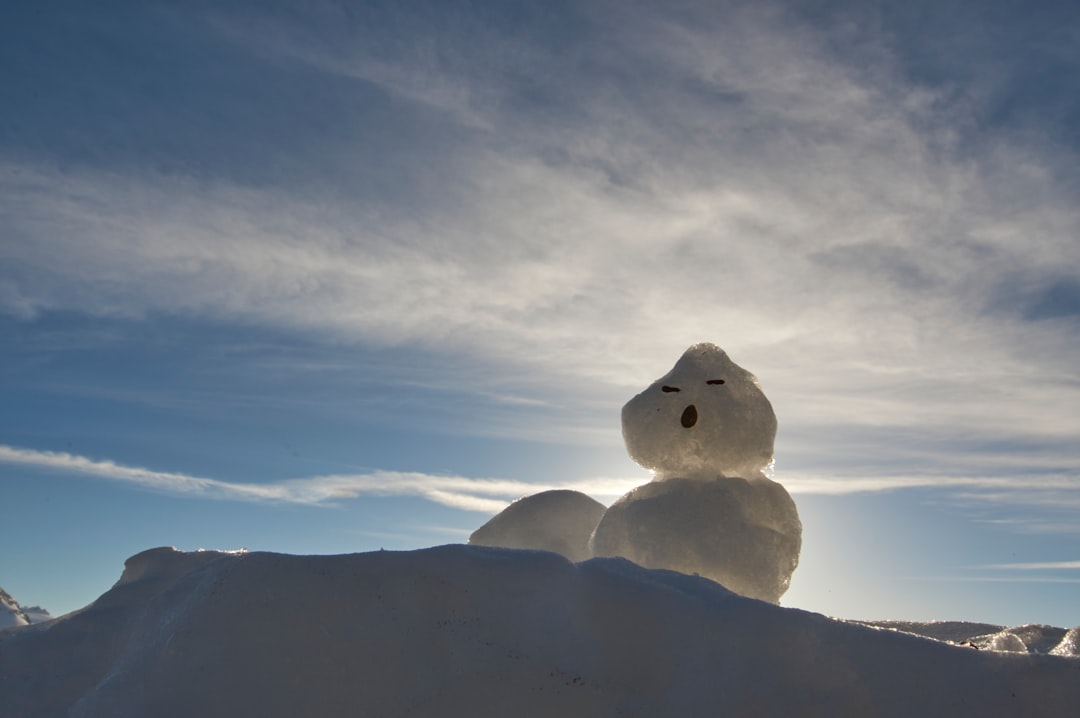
(478, 631)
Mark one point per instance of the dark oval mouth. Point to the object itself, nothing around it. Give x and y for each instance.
(689, 416)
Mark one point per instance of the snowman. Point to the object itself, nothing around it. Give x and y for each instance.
(706, 430)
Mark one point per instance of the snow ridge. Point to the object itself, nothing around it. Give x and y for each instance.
(480, 631)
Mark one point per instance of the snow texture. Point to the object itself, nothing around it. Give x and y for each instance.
(743, 534)
(479, 631)
(12, 614)
(560, 521)
(1034, 637)
(1006, 641)
(1070, 644)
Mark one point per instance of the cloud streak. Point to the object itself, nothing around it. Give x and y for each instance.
(486, 495)
(492, 495)
(1037, 566)
(809, 214)
(992, 579)
(575, 206)
(798, 483)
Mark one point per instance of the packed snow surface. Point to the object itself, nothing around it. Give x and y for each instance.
(480, 631)
(1069, 644)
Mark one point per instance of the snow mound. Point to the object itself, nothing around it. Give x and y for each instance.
(1030, 637)
(561, 521)
(1006, 641)
(951, 631)
(1070, 644)
(479, 631)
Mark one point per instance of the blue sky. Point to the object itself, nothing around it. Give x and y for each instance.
(336, 276)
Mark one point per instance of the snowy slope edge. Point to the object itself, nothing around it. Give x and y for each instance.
(470, 630)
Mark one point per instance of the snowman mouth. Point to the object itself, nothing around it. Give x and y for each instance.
(689, 416)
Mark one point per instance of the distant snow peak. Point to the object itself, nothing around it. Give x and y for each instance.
(12, 614)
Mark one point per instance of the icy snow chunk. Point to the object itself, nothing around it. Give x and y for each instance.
(1006, 641)
(1038, 637)
(1070, 644)
(744, 534)
(705, 417)
(559, 521)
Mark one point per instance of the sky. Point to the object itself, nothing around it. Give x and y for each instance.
(329, 277)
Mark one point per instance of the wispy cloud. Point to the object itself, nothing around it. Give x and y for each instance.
(487, 495)
(492, 495)
(992, 579)
(578, 208)
(1037, 566)
(993, 487)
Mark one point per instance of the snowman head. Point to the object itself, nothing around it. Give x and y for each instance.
(707, 416)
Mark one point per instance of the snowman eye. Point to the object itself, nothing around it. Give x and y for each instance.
(715, 381)
(669, 389)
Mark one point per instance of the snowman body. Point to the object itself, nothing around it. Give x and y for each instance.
(706, 430)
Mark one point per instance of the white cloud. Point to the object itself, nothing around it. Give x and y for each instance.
(993, 579)
(990, 487)
(487, 495)
(813, 214)
(1037, 566)
(492, 495)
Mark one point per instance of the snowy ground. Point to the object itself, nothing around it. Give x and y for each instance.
(478, 631)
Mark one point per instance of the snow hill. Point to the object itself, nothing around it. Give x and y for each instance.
(479, 631)
(12, 614)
